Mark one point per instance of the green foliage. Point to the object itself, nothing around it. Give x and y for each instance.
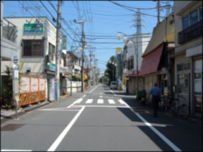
(8, 90)
(6, 107)
(110, 69)
(75, 78)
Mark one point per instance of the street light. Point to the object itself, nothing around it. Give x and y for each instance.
(129, 44)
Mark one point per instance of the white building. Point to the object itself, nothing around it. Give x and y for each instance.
(9, 35)
(36, 42)
(129, 59)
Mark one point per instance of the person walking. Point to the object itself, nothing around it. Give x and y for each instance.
(156, 97)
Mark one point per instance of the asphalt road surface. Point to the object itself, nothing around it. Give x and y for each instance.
(99, 119)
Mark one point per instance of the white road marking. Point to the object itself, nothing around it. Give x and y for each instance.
(94, 88)
(100, 93)
(79, 100)
(100, 96)
(121, 101)
(113, 92)
(100, 101)
(84, 96)
(167, 141)
(111, 101)
(106, 106)
(55, 110)
(14, 150)
(89, 101)
(65, 131)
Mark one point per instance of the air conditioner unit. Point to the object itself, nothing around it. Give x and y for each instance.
(48, 58)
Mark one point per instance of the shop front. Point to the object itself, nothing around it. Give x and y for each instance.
(50, 71)
(195, 54)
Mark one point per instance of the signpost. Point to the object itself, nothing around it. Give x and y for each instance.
(56, 90)
(15, 83)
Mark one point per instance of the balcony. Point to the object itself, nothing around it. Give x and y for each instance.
(190, 33)
(9, 31)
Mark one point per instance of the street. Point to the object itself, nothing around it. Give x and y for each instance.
(100, 119)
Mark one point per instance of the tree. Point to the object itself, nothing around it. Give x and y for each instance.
(110, 69)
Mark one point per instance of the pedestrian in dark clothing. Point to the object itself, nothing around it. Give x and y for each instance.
(156, 98)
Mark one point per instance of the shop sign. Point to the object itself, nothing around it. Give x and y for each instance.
(51, 66)
(165, 91)
(33, 28)
(77, 67)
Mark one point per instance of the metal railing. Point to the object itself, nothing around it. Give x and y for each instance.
(190, 33)
(9, 30)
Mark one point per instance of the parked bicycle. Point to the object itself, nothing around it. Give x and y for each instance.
(179, 108)
(165, 103)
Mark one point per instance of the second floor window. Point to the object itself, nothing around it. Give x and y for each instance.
(33, 48)
(51, 51)
(192, 18)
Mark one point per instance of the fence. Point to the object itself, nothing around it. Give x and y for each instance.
(32, 89)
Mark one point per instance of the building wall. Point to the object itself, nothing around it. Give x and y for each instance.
(37, 64)
(143, 41)
(178, 6)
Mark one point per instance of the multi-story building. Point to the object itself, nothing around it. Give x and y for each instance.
(130, 60)
(37, 45)
(9, 36)
(188, 53)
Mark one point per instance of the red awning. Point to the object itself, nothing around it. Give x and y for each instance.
(151, 61)
(133, 75)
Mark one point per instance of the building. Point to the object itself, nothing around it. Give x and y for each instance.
(157, 66)
(188, 53)
(130, 60)
(9, 36)
(37, 45)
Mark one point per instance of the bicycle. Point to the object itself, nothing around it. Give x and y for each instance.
(179, 108)
(165, 103)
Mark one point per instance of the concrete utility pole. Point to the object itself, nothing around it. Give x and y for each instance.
(159, 11)
(57, 78)
(83, 44)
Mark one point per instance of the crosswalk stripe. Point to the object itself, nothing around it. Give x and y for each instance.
(100, 101)
(121, 102)
(111, 101)
(78, 101)
(89, 101)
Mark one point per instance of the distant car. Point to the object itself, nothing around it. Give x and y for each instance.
(113, 85)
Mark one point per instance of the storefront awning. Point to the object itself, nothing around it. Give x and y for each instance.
(151, 61)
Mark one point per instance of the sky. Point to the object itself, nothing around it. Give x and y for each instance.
(103, 21)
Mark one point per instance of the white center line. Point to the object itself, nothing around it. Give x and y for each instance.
(121, 101)
(167, 141)
(100, 101)
(89, 101)
(111, 101)
(65, 131)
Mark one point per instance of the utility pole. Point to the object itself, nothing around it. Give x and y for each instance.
(83, 44)
(158, 11)
(57, 79)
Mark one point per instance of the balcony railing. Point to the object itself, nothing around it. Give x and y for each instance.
(190, 33)
(9, 30)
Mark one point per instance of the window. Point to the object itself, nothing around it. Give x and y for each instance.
(186, 22)
(185, 66)
(128, 64)
(51, 51)
(192, 18)
(183, 86)
(132, 64)
(33, 48)
(200, 13)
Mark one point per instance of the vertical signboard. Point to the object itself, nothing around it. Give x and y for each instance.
(56, 90)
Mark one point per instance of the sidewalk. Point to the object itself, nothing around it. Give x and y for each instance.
(10, 114)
